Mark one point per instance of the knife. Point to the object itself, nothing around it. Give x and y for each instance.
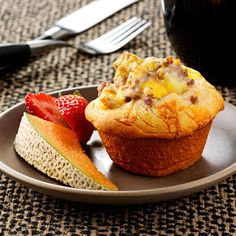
(84, 18)
(12, 54)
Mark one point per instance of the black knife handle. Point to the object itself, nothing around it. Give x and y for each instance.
(13, 54)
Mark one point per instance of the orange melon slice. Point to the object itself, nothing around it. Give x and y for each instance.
(56, 151)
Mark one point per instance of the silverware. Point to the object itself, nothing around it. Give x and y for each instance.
(84, 18)
(107, 43)
(14, 54)
(116, 38)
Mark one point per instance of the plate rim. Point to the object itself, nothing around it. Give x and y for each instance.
(203, 182)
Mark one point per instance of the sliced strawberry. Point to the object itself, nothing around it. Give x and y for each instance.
(44, 106)
(72, 109)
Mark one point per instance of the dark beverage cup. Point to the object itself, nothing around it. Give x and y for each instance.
(202, 33)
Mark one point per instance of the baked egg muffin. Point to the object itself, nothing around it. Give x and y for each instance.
(155, 116)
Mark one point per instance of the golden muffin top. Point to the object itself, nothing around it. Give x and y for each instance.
(154, 97)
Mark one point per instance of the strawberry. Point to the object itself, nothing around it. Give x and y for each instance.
(44, 106)
(72, 109)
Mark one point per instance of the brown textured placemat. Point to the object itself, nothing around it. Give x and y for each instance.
(24, 211)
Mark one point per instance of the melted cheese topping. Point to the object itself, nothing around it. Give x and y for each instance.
(137, 78)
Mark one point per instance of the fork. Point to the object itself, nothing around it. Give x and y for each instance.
(106, 43)
(116, 38)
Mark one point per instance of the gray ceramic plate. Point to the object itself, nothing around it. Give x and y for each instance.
(217, 163)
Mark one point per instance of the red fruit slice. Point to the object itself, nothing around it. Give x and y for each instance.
(72, 109)
(44, 106)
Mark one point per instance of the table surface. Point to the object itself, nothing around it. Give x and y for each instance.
(24, 211)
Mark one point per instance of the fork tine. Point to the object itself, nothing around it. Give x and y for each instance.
(131, 36)
(123, 31)
(116, 38)
(120, 31)
(130, 31)
(131, 21)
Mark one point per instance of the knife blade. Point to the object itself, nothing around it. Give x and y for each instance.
(84, 18)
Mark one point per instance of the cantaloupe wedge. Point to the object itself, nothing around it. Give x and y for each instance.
(56, 151)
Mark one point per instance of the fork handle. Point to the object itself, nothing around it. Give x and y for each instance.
(13, 53)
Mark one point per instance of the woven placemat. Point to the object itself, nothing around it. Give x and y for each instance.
(24, 211)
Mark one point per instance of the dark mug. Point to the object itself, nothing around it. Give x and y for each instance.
(202, 33)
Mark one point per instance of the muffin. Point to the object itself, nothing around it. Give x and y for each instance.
(155, 116)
